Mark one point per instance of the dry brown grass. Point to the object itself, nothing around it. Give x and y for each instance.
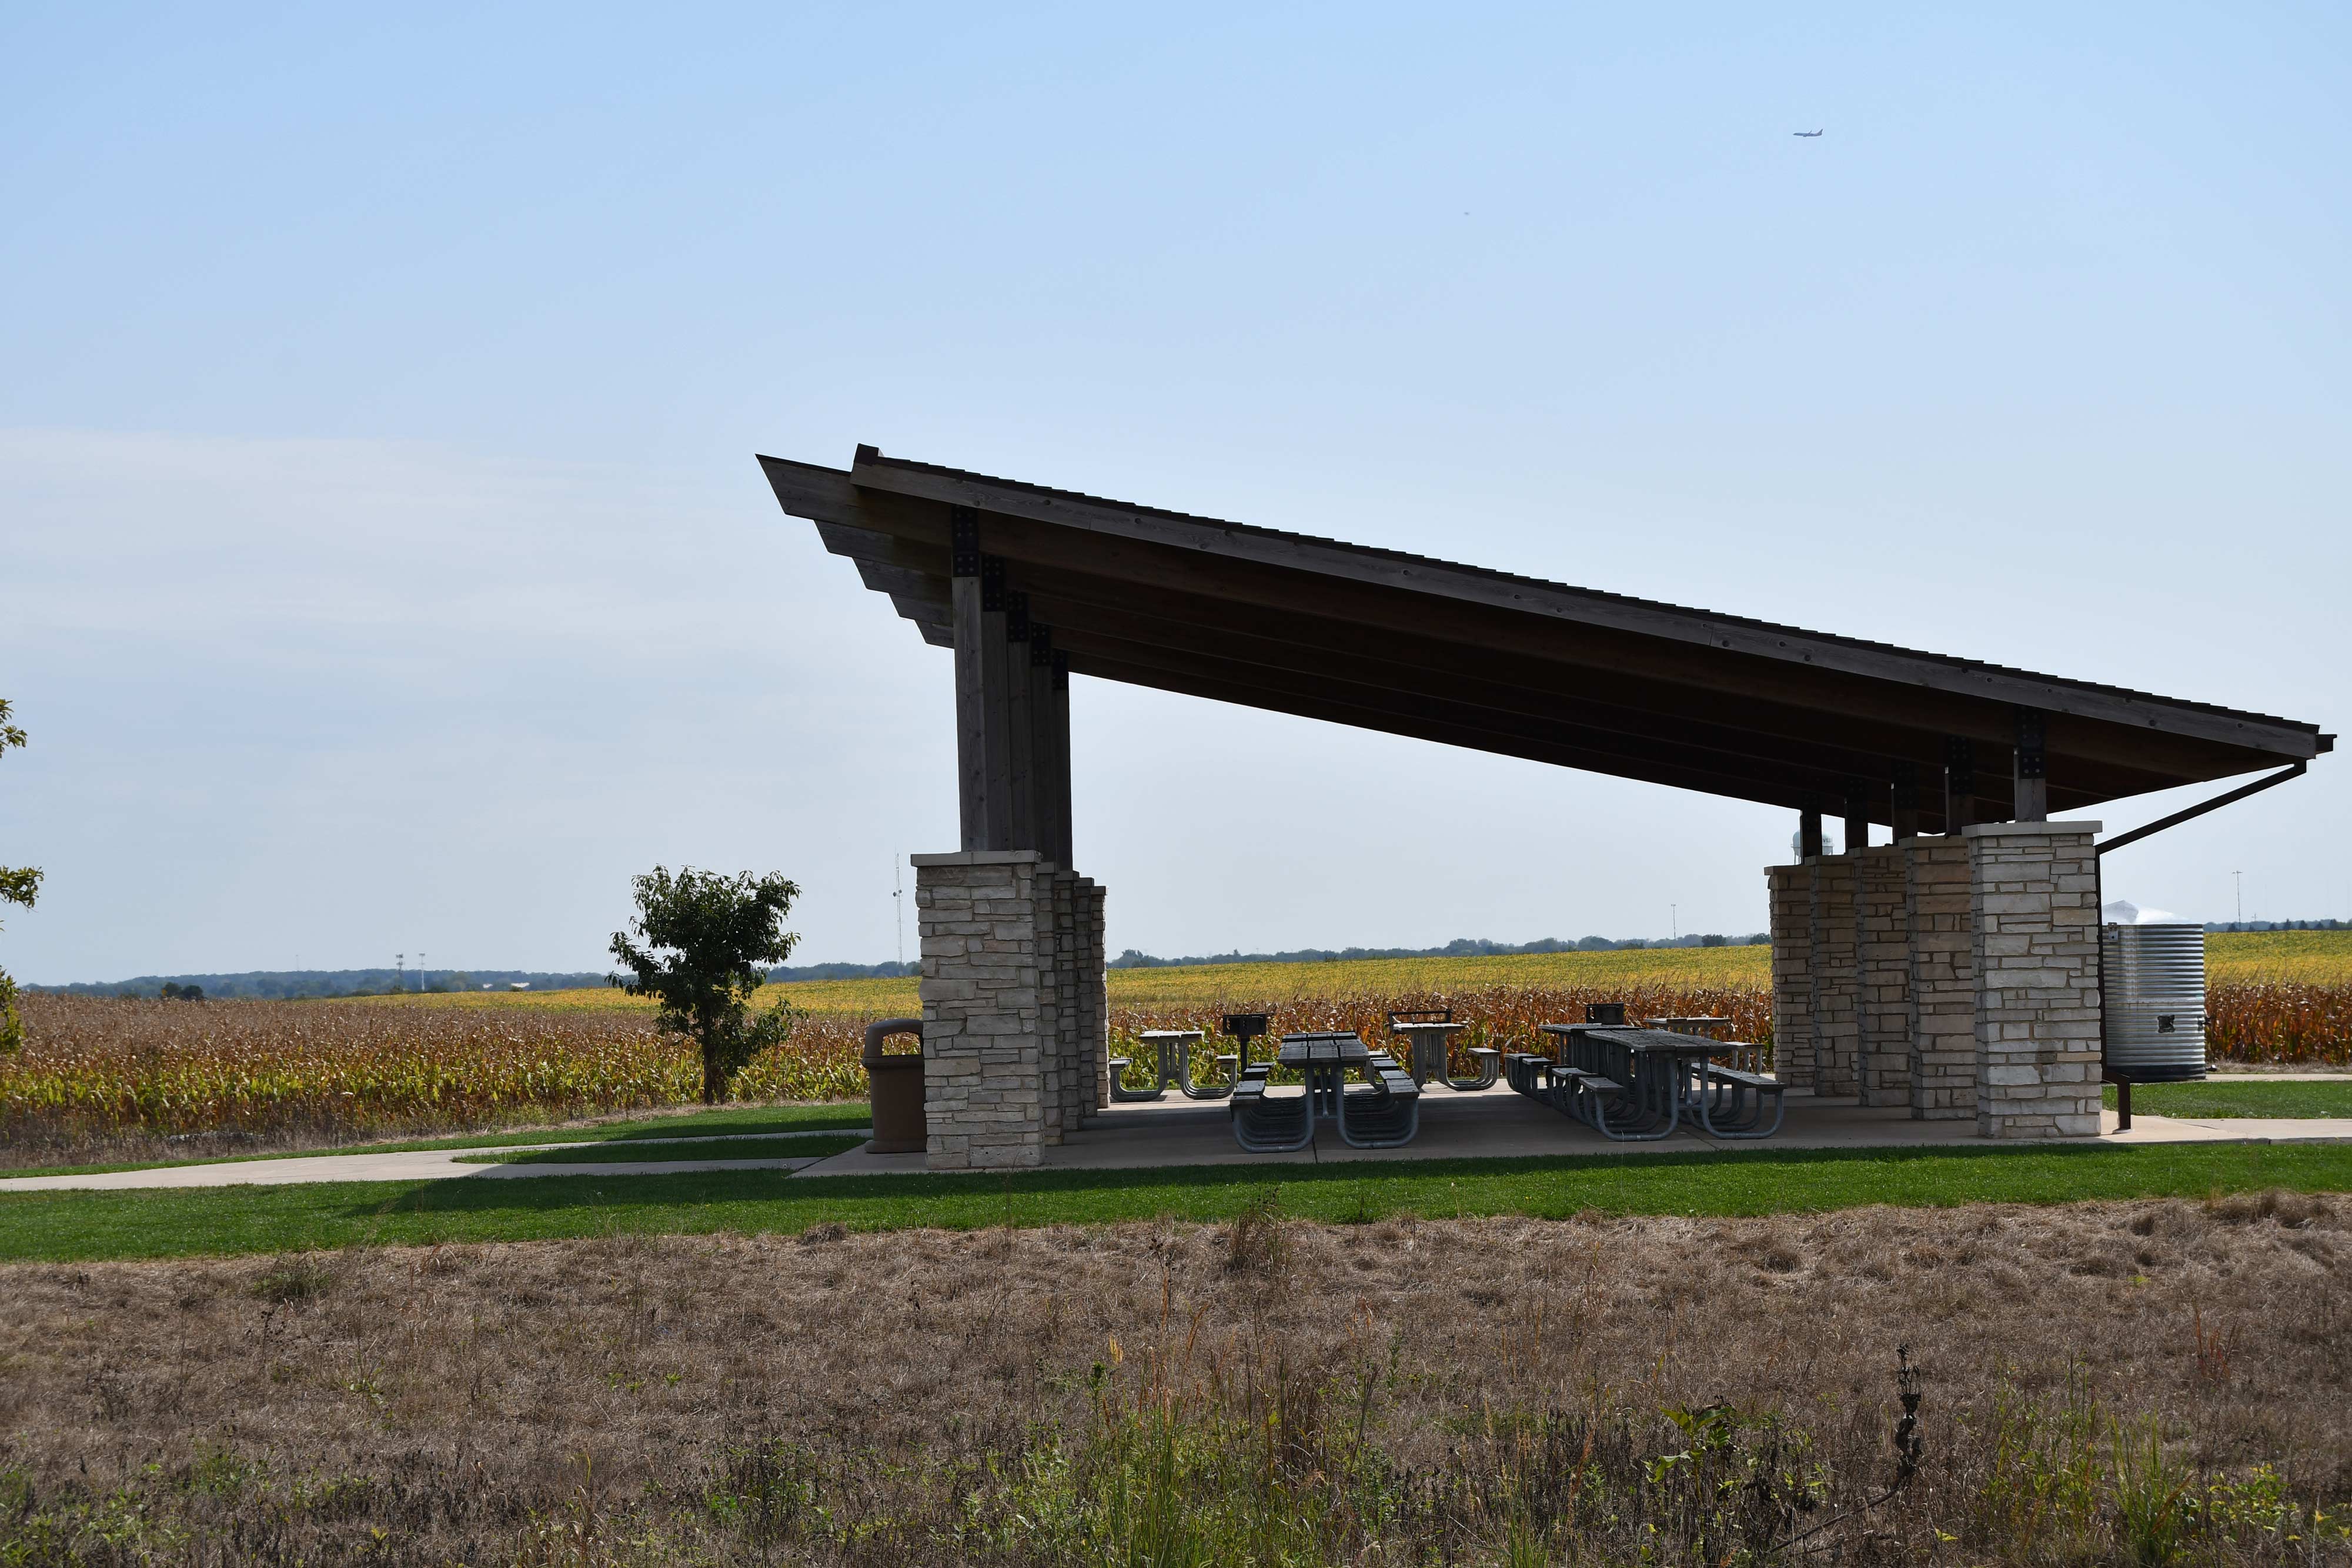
(909, 1398)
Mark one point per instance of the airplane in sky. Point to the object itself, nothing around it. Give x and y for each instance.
(1804, 133)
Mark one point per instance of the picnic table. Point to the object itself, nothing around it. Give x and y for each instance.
(1382, 1114)
(1429, 1038)
(1172, 1049)
(1635, 1085)
(1747, 1057)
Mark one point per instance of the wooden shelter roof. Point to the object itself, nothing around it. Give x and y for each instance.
(1484, 659)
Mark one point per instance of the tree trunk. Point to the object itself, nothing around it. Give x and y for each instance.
(714, 1074)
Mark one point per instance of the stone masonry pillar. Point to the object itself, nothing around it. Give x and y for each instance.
(1837, 978)
(987, 1008)
(1070, 1067)
(1052, 1028)
(1942, 1006)
(1790, 888)
(1884, 935)
(1094, 996)
(2034, 904)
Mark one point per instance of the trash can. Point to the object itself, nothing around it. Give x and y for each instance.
(898, 1090)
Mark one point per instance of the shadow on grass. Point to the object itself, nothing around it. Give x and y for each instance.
(765, 1119)
(623, 1154)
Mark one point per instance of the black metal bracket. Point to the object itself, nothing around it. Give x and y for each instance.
(992, 583)
(1016, 618)
(2032, 743)
(1040, 646)
(2215, 804)
(1960, 766)
(963, 541)
(1061, 671)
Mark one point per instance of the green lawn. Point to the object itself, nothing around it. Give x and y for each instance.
(616, 1152)
(171, 1223)
(729, 1119)
(2241, 1097)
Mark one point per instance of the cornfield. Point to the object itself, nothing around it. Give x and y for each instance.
(2272, 1023)
(107, 1075)
(113, 1078)
(1503, 1018)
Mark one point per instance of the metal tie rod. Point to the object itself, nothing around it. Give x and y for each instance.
(2215, 804)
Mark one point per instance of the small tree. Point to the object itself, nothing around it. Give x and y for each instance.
(19, 885)
(701, 943)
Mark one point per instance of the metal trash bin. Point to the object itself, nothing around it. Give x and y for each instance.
(896, 1089)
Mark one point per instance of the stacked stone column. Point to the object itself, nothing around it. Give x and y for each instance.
(1957, 975)
(1791, 889)
(1836, 977)
(1013, 1010)
(1094, 996)
(1883, 938)
(1943, 990)
(2034, 909)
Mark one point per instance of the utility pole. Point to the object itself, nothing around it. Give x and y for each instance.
(1675, 921)
(400, 971)
(421, 969)
(2240, 878)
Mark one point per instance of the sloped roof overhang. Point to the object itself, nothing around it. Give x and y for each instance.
(1468, 656)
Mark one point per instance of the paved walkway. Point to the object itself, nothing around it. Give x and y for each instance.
(429, 1165)
(2276, 1078)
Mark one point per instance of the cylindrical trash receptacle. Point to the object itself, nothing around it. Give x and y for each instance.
(898, 1090)
(2154, 1004)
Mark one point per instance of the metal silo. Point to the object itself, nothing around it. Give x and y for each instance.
(2154, 980)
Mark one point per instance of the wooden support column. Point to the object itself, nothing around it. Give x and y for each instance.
(996, 747)
(1058, 722)
(971, 682)
(1959, 782)
(1808, 832)
(1048, 718)
(1020, 721)
(1857, 817)
(1906, 801)
(2030, 778)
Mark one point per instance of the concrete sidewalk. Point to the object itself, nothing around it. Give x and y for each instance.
(428, 1164)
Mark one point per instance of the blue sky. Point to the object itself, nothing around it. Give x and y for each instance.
(385, 568)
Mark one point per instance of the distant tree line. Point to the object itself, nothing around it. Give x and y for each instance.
(290, 984)
(2278, 926)
(782, 974)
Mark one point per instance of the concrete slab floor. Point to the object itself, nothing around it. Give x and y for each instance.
(1495, 1124)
